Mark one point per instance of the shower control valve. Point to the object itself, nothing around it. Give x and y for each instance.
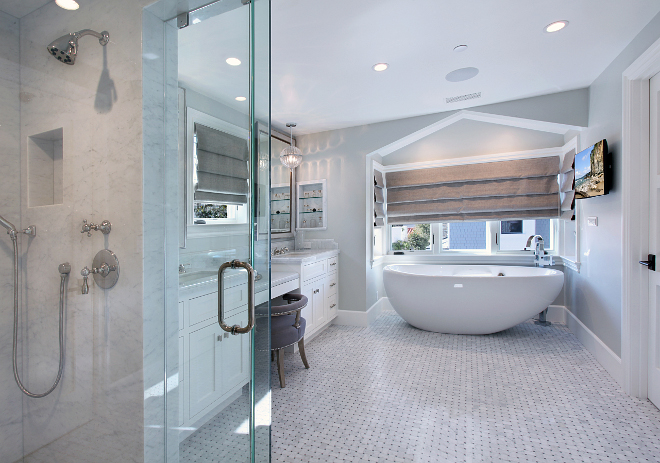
(104, 227)
(105, 271)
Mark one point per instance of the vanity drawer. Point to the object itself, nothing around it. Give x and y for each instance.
(331, 284)
(235, 301)
(181, 312)
(333, 263)
(202, 308)
(314, 269)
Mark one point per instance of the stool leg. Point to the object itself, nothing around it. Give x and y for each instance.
(301, 349)
(280, 366)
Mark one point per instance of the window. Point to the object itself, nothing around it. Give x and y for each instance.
(215, 214)
(411, 237)
(487, 237)
(464, 235)
(514, 233)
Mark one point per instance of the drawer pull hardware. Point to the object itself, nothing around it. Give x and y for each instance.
(316, 291)
(219, 337)
(334, 263)
(332, 284)
(236, 329)
(332, 305)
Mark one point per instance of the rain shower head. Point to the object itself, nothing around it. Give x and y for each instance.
(65, 48)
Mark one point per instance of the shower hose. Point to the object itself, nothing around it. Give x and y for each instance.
(64, 272)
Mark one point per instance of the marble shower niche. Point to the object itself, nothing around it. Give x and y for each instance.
(45, 174)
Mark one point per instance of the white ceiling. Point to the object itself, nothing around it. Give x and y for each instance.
(19, 8)
(323, 53)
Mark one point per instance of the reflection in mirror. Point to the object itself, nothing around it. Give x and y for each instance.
(282, 208)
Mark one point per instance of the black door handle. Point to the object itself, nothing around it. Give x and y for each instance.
(650, 263)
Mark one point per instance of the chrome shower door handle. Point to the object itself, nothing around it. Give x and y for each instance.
(236, 329)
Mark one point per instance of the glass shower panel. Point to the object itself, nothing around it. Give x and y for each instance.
(223, 398)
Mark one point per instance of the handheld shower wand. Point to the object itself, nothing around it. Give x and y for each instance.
(64, 270)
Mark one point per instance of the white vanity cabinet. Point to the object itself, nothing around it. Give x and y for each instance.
(214, 364)
(319, 282)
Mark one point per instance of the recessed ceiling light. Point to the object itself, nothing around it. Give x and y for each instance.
(233, 61)
(459, 75)
(556, 26)
(460, 48)
(67, 4)
(196, 21)
(240, 98)
(380, 67)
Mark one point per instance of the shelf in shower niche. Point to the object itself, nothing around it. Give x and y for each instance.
(45, 175)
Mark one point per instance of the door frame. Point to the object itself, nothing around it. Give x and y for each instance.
(635, 223)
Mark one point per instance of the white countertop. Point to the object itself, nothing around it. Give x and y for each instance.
(297, 257)
(188, 280)
(279, 278)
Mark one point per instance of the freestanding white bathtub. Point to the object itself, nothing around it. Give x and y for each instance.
(469, 299)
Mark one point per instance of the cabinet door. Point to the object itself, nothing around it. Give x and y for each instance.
(204, 361)
(235, 354)
(318, 306)
(308, 312)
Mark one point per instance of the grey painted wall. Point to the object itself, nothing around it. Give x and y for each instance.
(473, 138)
(594, 294)
(340, 157)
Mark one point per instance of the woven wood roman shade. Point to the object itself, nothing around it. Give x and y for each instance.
(221, 167)
(504, 190)
(379, 199)
(567, 186)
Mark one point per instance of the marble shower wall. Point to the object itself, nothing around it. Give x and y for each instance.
(97, 103)
(11, 442)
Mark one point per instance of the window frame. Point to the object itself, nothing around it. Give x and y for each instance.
(493, 233)
(216, 227)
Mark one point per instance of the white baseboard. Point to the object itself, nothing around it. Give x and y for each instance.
(605, 356)
(363, 319)
(556, 314)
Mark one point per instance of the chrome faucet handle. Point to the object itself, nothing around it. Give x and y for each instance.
(86, 228)
(105, 227)
(285, 249)
(85, 274)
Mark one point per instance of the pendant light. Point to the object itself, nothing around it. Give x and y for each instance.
(291, 156)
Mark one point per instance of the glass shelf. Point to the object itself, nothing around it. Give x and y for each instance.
(312, 197)
(311, 212)
(281, 199)
(282, 213)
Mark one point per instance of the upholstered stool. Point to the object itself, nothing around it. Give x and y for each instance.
(287, 327)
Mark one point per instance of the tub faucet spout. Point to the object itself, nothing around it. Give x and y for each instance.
(541, 259)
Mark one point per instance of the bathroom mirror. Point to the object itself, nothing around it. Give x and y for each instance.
(282, 195)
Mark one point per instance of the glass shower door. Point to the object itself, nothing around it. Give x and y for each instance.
(223, 396)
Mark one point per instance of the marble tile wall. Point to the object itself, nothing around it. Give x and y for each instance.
(98, 105)
(10, 208)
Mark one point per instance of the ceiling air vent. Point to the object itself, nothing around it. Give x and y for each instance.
(469, 96)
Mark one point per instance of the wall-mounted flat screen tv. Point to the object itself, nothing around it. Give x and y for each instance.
(592, 171)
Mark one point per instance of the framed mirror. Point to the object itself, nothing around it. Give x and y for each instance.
(282, 189)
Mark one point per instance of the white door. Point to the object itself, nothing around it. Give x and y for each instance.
(654, 245)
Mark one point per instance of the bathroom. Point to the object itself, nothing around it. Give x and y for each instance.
(100, 171)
